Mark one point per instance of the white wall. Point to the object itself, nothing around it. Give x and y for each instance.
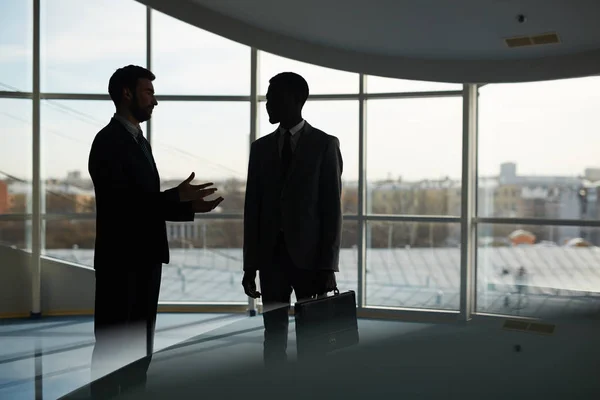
(15, 282)
(66, 288)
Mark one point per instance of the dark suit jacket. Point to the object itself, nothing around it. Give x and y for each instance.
(130, 208)
(307, 205)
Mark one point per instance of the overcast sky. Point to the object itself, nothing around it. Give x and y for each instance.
(547, 128)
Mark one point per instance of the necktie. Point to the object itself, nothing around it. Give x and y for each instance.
(286, 153)
(143, 143)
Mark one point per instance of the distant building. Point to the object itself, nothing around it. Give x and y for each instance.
(531, 196)
(4, 200)
(60, 198)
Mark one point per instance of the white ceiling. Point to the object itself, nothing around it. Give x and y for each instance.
(447, 40)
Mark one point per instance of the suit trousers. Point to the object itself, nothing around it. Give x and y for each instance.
(126, 305)
(277, 282)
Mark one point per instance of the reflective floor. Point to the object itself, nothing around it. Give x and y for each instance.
(64, 345)
(220, 357)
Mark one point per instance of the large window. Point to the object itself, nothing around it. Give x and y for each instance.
(537, 149)
(537, 162)
(15, 172)
(188, 60)
(206, 262)
(69, 127)
(413, 265)
(539, 278)
(414, 156)
(212, 140)
(16, 45)
(537, 216)
(84, 42)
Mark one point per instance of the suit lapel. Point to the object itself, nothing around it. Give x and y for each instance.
(152, 160)
(141, 161)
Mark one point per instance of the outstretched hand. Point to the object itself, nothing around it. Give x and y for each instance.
(189, 192)
(203, 206)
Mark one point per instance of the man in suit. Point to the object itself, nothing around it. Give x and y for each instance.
(292, 212)
(131, 241)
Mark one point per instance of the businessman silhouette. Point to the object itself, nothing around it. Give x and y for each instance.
(292, 211)
(131, 241)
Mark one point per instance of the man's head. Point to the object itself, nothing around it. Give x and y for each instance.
(286, 96)
(131, 90)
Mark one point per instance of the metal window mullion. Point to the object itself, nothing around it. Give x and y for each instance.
(378, 96)
(160, 97)
(317, 97)
(538, 221)
(362, 176)
(468, 199)
(149, 63)
(254, 75)
(15, 95)
(413, 218)
(413, 95)
(36, 201)
(253, 96)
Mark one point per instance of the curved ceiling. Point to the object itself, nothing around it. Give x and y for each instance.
(435, 40)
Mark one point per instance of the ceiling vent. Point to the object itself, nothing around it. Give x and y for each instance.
(536, 40)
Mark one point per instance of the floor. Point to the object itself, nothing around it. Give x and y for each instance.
(64, 347)
(394, 359)
(49, 358)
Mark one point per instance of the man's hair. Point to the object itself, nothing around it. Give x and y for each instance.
(126, 77)
(292, 83)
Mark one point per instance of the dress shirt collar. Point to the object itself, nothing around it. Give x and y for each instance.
(294, 129)
(135, 130)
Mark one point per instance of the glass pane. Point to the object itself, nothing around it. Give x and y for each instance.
(347, 277)
(68, 129)
(538, 271)
(538, 149)
(210, 139)
(16, 45)
(413, 265)
(71, 240)
(189, 60)
(15, 156)
(340, 119)
(15, 234)
(206, 262)
(379, 84)
(84, 42)
(414, 156)
(320, 80)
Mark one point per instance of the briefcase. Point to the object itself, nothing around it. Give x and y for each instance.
(326, 324)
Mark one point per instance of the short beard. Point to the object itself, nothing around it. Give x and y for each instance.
(137, 112)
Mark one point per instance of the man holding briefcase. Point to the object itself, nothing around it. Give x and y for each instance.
(292, 212)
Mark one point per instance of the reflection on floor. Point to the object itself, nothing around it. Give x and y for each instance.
(487, 358)
(66, 344)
